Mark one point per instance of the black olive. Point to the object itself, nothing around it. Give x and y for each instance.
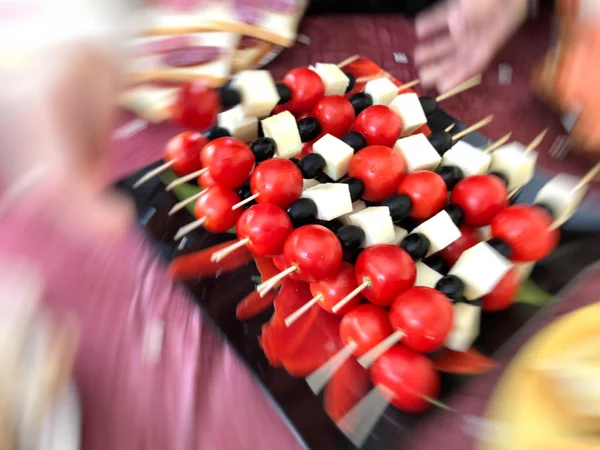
(216, 133)
(230, 96)
(263, 148)
(357, 187)
(244, 192)
(416, 245)
(285, 93)
(437, 263)
(451, 175)
(515, 197)
(355, 140)
(546, 208)
(400, 206)
(352, 81)
(261, 132)
(360, 102)
(350, 236)
(501, 247)
(309, 129)
(323, 178)
(332, 225)
(429, 105)
(477, 302)
(441, 141)
(451, 286)
(311, 165)
(408, 224)
(501, 176)
(302, 212)
(456, 213)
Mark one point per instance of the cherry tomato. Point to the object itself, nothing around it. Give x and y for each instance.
(366, 325)
(206, 181)
(267, 226)
(379, 125)
(504, 294)
(380, 168)
(389, 269)
(468, 238)
(481, 197)
(425, 315)
(196, 105)
(215, 205)
(335, 288)
(278, 181)
(427, 191)
(526, 229)
(231, 163)
(307, 148)
(307, 89)
(336, 115)
(411, 377)
(315, 250)
(206, 154)
(185, 149)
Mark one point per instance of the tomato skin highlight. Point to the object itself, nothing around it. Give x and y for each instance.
(231, 163)
(196, 105)
(215, 205)
(481, 197)
(427, 191)
(380, 168)
(185, 149)
(267, 226)
(335, 114)
(379, 125)
(307, 89)
(278, 181)
(365, 325)
(335, 288)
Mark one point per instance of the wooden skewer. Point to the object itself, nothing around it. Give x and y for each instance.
(265, 287)
(499, 143)
(536, 141)
(154, 172)
(448, 129)
(300, 311)
(382, 74)
(347, 61)
(220, 254)
(409, 85)
(371, 356)
(482, 123)
(339, 305)
(182, 204)
(185, 179)
(243, 202)
(513, 193)
(189, 228)
(587, 178)
(476, 80)
(320, 377)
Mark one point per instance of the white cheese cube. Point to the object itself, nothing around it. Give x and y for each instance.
(335, 80)
(440, 230)
(484, 233)
(282, 128)
(357, 206)
(382, 90)
(307, 184)
(524, 270)
(418, 153)
(399, 235)
(465, 327)
(377, 224)
(258, 92)
(480, 268)
(516, 165)
(426, 276)
(337, 155)
(409, 108)
(471, 160)
(559, 196)
(243, 128)
(150, 102)
(332, 200)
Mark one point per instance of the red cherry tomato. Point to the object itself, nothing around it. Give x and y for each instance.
(389, 269)
(468, 238)
(481, 197)
(504, 294)
(335, 288)
(206, 181)
(196, 105)
(425, 315)
(185, 149)
(316, 252)
(231, 163)
(215, 205)
(411, 376)
(526, 229)
(335, 114)
(267, 226)
(278, 181)
(427, 191)
(379, 125)
(380, 168)
(307, 148)
(307, 89)
(366, 325)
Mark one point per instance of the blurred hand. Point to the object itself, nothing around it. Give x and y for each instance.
(459, 38)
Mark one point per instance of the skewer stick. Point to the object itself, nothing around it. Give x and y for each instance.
(536, 141)
(587, 178)
(339, 305)
(482, 123)
(189, 228)
(449, 128)
(220, 254)
(182, 204)
(409, 85)
(347, 61)
(185, 179)
(513, 193)
(382, 74)
(476, 80)
(289, 320)
(371, 356)
(265, 287)
(154, 172)
(243, 202)
(499, 143)
(320, 377)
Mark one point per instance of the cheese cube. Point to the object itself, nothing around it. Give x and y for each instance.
(559, 196)
(470, 159)
(243, 128)
(307, 184)
(150, 102)
(440, 230)
(357, 206)
(512, 161)
(282, 128)
(426, 276)
(465, 327)
(337, 155)
(399, 235)
(523, 270)
(335, 80)
(381, 90)
(408, 107)
(377, 224)
(332, 199)
(418, 153)
(480, 268)
(258, 92)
